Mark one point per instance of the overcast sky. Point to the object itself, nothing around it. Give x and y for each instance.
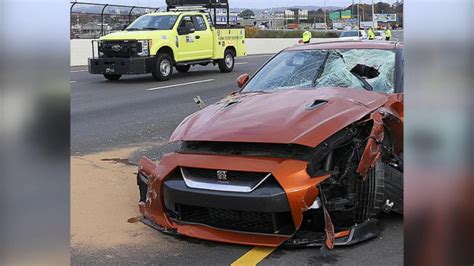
(244, 3)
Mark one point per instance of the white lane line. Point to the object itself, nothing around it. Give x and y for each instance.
(181, 84)
(241, 63)
(72, 81)
(75, 71)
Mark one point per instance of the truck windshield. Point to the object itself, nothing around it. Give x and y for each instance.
(366, 69)
(153, 23)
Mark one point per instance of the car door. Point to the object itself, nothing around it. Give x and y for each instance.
(203, 38)
(187, 47)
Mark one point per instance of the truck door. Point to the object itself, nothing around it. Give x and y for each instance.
(203, 38)
(187, 46)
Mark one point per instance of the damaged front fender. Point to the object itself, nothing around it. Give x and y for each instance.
(385, 119)
(372, 150)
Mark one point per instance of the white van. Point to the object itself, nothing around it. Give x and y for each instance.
(353, 35)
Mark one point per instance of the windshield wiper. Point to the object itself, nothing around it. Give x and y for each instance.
(150, 28)
(320, 69)
(131, 29)
(364, 82)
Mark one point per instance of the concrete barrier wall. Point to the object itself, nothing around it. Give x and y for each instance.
(81, 48)
(80, 51)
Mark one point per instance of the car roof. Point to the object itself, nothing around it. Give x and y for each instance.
(348, 45)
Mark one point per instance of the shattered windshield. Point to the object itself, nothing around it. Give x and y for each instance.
(366, 69)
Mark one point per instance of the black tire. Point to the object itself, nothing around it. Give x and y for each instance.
(371, 193)
(183, 69)
(164, 67)
(384, 183)
(227, 64)
(113, 77)
(393, 179)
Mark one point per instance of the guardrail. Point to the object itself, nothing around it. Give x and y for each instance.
(92, 20)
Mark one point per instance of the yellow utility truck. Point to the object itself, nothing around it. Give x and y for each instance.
(182, 37)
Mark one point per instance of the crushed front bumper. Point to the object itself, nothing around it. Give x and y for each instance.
(268, 216)
(122, 66)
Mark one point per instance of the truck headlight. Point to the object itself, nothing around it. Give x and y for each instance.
(100, 48)
(146, 45)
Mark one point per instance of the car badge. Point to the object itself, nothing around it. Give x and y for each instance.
(116, 48)
(221, 175)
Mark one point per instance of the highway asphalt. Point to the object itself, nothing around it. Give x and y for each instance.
(137, 112)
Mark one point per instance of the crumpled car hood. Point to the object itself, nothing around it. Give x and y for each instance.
(279, 117)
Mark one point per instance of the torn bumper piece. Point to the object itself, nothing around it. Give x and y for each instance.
(354, 235)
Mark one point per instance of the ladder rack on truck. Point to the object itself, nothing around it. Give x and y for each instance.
(200, 5)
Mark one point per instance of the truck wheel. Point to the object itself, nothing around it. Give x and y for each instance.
(227, 64)
(183, 69)
(164, 67)
(112, 76)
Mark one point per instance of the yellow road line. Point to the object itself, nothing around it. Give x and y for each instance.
(254, 256)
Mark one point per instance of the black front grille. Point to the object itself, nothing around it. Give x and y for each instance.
(230, 175)
(120, 48)
(253, 222)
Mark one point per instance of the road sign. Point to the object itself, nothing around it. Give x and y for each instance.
(335, 15)
(346, 14)
(385, 17)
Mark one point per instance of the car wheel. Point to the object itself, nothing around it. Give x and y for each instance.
(164, 67)
(226, 65)
(393, 182)
(112, 76)
(183, 69)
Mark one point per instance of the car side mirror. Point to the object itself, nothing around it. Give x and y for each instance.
(242, 80)
(187, 29)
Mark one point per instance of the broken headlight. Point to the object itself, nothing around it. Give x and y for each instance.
(321, 159)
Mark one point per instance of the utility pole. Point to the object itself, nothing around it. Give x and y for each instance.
(352, 12)
(358, 13)
(373, 14)
(325, 22)
(363, 11)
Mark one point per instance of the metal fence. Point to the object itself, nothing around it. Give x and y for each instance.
(92, 20)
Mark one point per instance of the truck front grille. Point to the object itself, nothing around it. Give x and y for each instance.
(127, 48)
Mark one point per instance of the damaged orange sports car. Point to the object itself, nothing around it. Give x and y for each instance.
(308, 153)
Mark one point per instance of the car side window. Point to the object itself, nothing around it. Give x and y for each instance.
(200, 23)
